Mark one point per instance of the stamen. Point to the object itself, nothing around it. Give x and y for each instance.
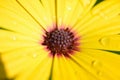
(60, 41)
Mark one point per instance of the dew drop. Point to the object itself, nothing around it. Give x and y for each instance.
(99, 73)
(100, 13)
(13, 38)
(34, 55)
(45, 18)
(103, 15)
(69, 8)
(96, 64)
(104, 41)
(98, 67)
(88, 2)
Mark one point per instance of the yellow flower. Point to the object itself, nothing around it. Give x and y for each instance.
(60, 39)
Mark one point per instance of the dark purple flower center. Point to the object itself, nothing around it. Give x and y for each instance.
(60, 41)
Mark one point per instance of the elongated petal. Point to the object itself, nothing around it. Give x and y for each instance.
(39, 13)
(100, 64)
(69, 9)
(12, 40)
(23, 24)
(110, 42)
(62, 69)
(39, 69)
(14, 17)
(23, 59)
(99, 17)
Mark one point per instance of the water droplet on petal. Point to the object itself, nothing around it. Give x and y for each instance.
(88, 2)
(103, 15)
(13, 38)
(97, 66)
(45, 18)
(100, 13)
(34, 55)
(99, 73)
(69, 8)
(104, 41)
(94, 63)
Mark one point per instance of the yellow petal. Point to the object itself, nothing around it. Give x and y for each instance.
(107, 27)
(69, 11)
(111, 42)
(107, 9)
(81, 64)
(104, 37)
(49, 7)
(39, 69)
(12, 40)
(80, 71)
(40, 13)
(62, 69)
(16, 61)
(14, 17)
(105, 61)
(98, 17)
(99, 64)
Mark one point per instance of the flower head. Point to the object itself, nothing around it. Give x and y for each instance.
(60, 39)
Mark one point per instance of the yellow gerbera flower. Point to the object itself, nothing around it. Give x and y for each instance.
(60, 39)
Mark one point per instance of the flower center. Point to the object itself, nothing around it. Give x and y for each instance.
(60, 41)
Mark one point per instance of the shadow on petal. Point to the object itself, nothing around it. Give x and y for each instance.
(2, 71)
(97, 2)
